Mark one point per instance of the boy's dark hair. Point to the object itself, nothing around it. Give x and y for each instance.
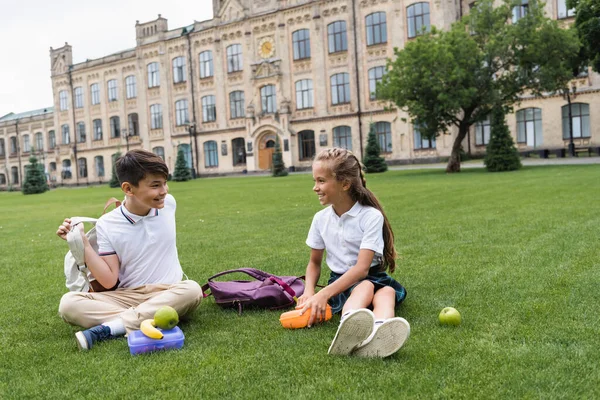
(136, 164)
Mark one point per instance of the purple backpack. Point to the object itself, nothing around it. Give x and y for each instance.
(266, 291)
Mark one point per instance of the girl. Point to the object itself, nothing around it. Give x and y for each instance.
(360, 246)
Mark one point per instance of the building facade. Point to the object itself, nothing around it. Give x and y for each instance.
(224, 91)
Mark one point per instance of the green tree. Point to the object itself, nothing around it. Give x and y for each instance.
(372, 160)
(114, 179)
(587, 24)
(278, 168)
(35, 178)
(501, 154)
(182, 173)
(447, 79)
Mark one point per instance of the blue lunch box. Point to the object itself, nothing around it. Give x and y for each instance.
(140, 343)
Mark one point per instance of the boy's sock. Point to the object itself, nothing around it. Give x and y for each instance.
(117, 328)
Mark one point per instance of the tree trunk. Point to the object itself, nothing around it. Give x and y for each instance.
(454, 161)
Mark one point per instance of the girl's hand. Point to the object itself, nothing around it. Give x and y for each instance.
(305, 296)
(317, 305)
(64, 229)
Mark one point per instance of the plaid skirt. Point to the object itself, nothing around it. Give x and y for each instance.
(379, 279)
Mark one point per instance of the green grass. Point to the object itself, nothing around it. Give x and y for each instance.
(517, 253)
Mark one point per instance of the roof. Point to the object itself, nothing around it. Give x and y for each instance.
(27, 114)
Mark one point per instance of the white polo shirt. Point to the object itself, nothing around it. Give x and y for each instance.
(343, 237)
(145, 244)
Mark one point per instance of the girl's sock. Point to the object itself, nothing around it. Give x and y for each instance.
(116, 327)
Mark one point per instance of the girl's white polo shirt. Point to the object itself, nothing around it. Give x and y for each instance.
(343, 237)
(145, 245)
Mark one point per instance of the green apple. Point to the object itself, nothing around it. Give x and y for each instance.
(450, 316)
(166, 317)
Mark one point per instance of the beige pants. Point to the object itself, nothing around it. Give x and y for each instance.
(131, 305)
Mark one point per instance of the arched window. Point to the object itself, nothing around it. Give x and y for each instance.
(181, 112)
(115, 127)
(97, 126)
(156, 120)
(159, 151)
(520, 11)
(51, 139)
(130, 84)
(340, 88)
(421, 142)
(342, 137)
(187, 154)
(2, 179)
(13, 145)
(63, 100)
(39, 141)
(211, 156)
(2, 148)
(580, 113)
(236, 104)
(418, 19)
(206, 64)
(78, 94)
(529, 126)
(134, 124)
(384, 136)
(238, 148)
(65, 134)
(66, 169)
(95, 93)
(209, 109)
(112, 90)
(14, 171)
(82, 165)
(234, 58)
(268, 99)
(376, 28)
(304, 94)
(482, 132)
(306, 144)
(153, 75)
(179, 74)
(52, 166)
(301, 44)
(99, 166)
(375, 76)
(80, 132)
(336, 35)
(26, 144)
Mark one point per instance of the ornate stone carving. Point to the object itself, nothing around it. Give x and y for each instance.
(266, 69)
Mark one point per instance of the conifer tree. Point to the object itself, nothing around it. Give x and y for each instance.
(501, 154)
(278, 168)
(114, 179)
(182, 172)
(372, 160)
(35, 178)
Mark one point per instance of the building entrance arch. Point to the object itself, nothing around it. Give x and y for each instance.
(266, 148)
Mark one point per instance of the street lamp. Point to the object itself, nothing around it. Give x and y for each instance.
(127, 135)
(192, 131)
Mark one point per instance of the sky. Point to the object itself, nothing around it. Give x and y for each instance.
(28, 28)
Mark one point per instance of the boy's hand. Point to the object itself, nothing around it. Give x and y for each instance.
(64, 229)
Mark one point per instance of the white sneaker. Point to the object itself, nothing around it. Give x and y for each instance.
(353, 330)
(385, 340)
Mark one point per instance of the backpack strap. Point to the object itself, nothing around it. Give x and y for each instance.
(110, 202)
(285, 287)
(254, 273)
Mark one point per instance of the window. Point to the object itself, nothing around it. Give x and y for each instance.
(482, 132)
(82, 167)
(65, 134)
(375, 75)
(383, 130)
(2, 179)
(80, 132)
(238, 148)
(39, 141)
(112, 90)
(78, 94)
(63, 99)
(209, 111)
(51, 139)
(26, 144)
(52, 166)
(206, 64)
(580, 112)
(301, 44)
(15, 175)
(306, 143)
(97, 126)
(342, 137)
(153, 75)
(134, 124)
(236, 104)
(340, 88)
(418, 19)
(376, 28)
(562, 10)
(304, 94)
(211, 157)
(529, 126)
(13, 145)
(115, 127)
(181, 112)
(156, 116)
(422, 142)
(268, 99)
(179, 70)
(159, 151)
(520, 11)
(234, 58)
(187, 154)
(131, 87)
(66, 169)
(336, 34)
(99, 166)
(2, 148)
(95, 90)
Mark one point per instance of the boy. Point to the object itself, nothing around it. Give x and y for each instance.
(137, 252)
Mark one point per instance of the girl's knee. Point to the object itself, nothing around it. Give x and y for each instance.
(387, 292)
(365, 285)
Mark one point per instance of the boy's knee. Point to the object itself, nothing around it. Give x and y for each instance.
(67, 308)
(193, 291)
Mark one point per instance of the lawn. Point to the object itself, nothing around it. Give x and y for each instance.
(517, 253)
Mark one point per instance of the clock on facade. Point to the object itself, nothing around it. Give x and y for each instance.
(266, 47)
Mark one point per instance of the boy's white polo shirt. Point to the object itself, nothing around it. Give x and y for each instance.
(145, 244)
(343, 237)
